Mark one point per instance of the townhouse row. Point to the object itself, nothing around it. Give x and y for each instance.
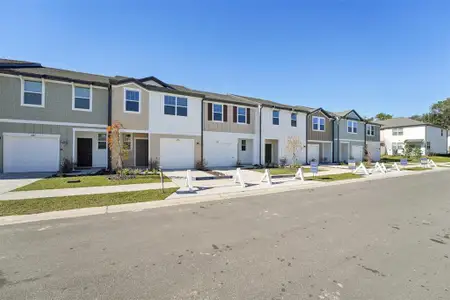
(48, 116)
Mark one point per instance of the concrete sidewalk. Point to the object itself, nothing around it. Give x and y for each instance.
(84, 191)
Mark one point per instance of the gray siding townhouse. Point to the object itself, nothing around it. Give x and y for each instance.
(349, 136)
(320, 136)
(49, 115)
(373, 140)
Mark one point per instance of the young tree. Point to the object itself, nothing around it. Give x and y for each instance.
(293, 146)
(119, 151)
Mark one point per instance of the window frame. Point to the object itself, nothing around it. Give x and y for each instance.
(101, 141)
(292, 120)
(221, 112)
(131, 141)
(370, 130)
(318, 123)
(273, 117)
(396, 131)
(353, 123)
(125, 100)
(243, 145)
(74, 97)
(237, 114)
(175, 106)
(42, 93)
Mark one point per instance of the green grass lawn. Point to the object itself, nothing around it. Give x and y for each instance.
(334, 177)
(417, 169)
(284, 171)
(396, 158)
(85, 181)
(32, 206)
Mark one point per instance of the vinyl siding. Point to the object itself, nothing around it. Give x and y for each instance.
(132, 121)
(58, 104)
(343, 134)
(326, 135)
(376, 137)
(228, 126)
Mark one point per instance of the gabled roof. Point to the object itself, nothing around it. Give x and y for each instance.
(160, 82)
(326, 113)
(17, 64)
(344, 114)
(273, 104)
(400, 122)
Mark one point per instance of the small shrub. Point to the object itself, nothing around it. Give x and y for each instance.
(201, 165)
(283, 162)
(238, 163)
(417, 153)
(66, 166)
(153, 164)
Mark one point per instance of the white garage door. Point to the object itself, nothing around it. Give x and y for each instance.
(177, 153)
(30, 153)
(220, 153)
(357, 153)
(374, 149)
(313, 152)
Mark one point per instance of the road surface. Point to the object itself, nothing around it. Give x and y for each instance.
(385, 239)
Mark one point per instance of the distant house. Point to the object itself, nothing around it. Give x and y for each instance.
(396, 133)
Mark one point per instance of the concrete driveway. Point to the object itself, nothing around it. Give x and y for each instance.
(12, 181)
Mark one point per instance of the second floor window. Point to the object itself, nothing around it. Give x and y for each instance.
(132, 101)
(318, 123)
(275, 117)
(82, 98)
(370, 130)
(352, 127)
(32, 93)
(218, 112)
(175, 106)
(397, 131)
(241, 115)
(293, 119)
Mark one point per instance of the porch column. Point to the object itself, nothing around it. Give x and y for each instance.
(73, 148)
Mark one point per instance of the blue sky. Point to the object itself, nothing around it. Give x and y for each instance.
(374, 56)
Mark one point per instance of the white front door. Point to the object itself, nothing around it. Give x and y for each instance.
(177, 153)
(30, 152)
(357, 153)
(313, 152)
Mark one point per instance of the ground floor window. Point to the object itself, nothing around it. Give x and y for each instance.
(127, 141)
(243, 145)
(101, 142)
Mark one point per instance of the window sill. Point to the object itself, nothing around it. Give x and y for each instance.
(32, 105)
(318, 130)
(81, 109)
(131, 112)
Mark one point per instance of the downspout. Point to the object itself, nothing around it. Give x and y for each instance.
(365, 140)
(201, 133)
(307, 133)
(333, 158)
(109, 122)
(426, 141)
(338, 144)
(260, 133)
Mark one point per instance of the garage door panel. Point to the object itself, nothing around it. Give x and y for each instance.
(177, 153)
(357, 153)
(375, 151)
(220, 154)
(313, 152)
(30, 153)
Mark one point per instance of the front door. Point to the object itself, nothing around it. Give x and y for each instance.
(141, 153)
(84, 152)
(268, 153)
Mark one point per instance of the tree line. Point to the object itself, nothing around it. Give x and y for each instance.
(439, 115)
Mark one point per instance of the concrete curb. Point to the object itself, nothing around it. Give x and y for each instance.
(135, 207)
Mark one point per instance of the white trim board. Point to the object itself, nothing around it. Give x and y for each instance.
(20, 121)
(133, 131)
(49, 80)
(31, 134)
(89, 130)
(317, 141)
(349, 140)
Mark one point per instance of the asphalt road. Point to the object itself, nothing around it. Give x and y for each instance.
(385, 239)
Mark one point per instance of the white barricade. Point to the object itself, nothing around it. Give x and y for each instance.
(299, 174)
(267, 177)
(362, 168)
(395, 166)
(189, 180)
(378, 167)
(384, 167)
(238, 178)
(431, 164)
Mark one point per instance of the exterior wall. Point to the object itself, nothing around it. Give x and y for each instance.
(374, 138)
(221, 149)
(374, 149)
(344, 135)
(99, 156)
(155, 144)
(174, 125)
(325, 151)
(65, 132)
(438, 143)
(352, 116)
(58, 104)
(229, 126)
(326, 135)
(409, 133)
(129, 162)
(129, 120)
(282, 132)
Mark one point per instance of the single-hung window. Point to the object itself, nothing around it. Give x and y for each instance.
(127, 141)
(318, 123)
(276, 117)
(242, 115)
(32, 93)
(243, 145)
(218, 112)
(82, 98)
(352, 127)
(175, 106)
(101, 143)
(132, 101)
(397, 131)
(293, 119)
(370, 130)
